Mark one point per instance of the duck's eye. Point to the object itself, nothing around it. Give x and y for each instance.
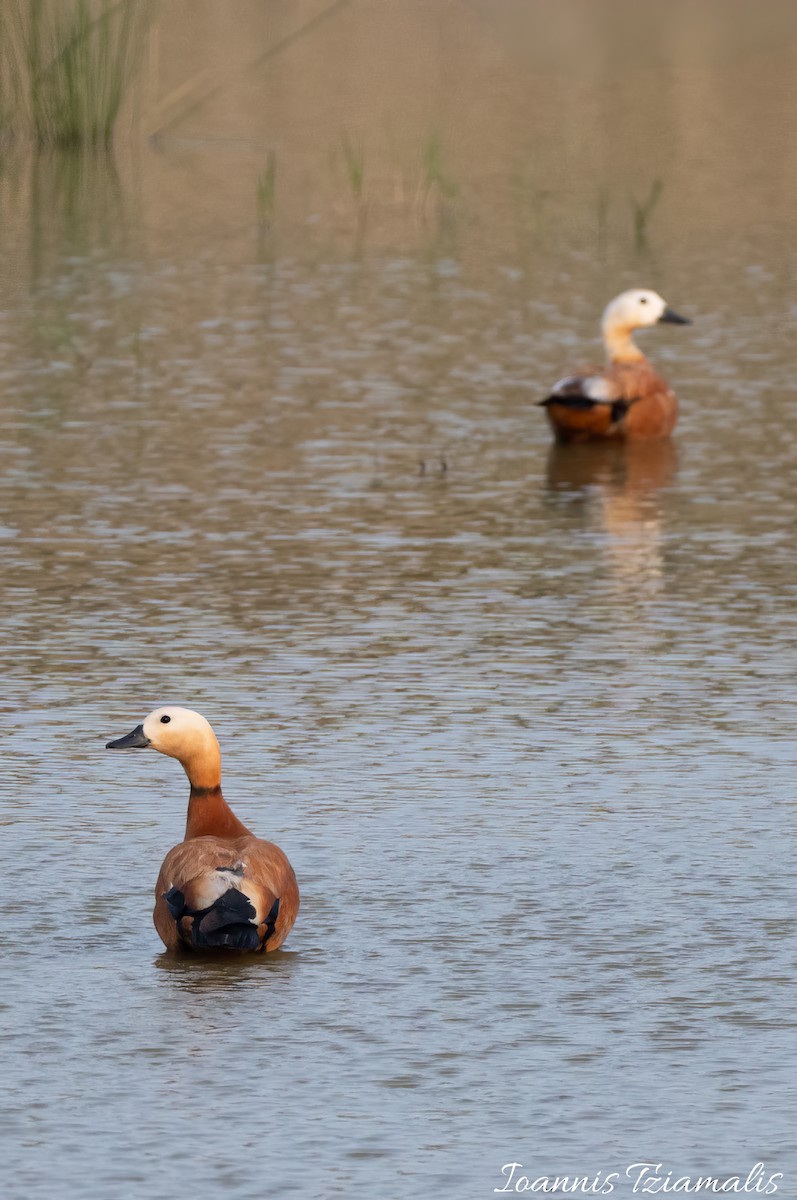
(165, 720)
(643, 299)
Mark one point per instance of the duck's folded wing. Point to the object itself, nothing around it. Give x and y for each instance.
(583, 392)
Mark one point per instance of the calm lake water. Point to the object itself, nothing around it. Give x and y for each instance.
(523, 721)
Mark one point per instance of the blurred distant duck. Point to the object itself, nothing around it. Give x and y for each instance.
(222, 888)
(626, 399)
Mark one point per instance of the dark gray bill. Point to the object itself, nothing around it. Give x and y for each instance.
(668, 317)
(131, 741)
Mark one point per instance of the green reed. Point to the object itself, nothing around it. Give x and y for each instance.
(71, 63)
(266, 191)
(602, 218)
(9, 77)
(434, 175)
(642, 212)
(354, 162)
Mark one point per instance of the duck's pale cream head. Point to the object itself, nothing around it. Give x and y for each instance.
(636, 309)
(183, 734)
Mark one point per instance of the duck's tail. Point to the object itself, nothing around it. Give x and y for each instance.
(228, 922)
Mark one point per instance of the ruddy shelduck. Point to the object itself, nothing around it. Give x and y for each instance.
(222, 888)
(626, 399)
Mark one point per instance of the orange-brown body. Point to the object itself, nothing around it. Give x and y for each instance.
(644, 408)
(214, 839)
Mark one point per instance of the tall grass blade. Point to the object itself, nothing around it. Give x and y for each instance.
(354, 159)
(434, 175)
(644, 211)
(266, 191)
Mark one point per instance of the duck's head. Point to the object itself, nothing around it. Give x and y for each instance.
(639, 308)
(181, 733)
(635, 309)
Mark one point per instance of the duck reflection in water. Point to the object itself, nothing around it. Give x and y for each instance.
(222, 975)
(620, 485)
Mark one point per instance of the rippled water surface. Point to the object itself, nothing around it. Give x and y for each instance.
(523, 720)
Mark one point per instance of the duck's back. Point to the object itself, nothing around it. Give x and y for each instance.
(225, 894)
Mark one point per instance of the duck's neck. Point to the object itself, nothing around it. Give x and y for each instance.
(620, 346)
(209, 814)
(208, 811)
